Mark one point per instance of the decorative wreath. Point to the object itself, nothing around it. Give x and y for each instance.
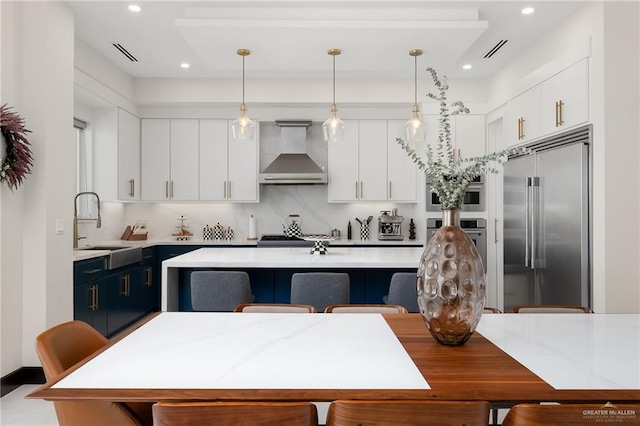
(18, 159)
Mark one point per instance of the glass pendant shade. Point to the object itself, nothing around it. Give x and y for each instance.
(243, 128)
(414, 128)
(332, 128)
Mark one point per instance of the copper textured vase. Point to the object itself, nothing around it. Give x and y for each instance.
(451, 283)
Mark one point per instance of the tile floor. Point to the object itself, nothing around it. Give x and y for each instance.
(15, 410)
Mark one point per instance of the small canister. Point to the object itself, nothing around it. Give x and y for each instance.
(218, 232)
(207, 233)
(228, 234)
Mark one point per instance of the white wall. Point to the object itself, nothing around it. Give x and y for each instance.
(37, 265)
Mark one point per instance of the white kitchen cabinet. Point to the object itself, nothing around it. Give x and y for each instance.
(184, 144)
(169, 159)
(128, 156)
(358, 163)
(228, 168)
(565, 98)
(523, 117)
(401, 170)
(470, 137)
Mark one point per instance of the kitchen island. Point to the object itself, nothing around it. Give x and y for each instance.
(270, 270)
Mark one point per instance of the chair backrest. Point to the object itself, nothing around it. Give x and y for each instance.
(403, 291)
(234, 413)
(407, 412)
(275, 308)
(320, 289)
(60, 348)
(490, 310)
(572, 414)
(219, 291)
(551, 309)
(363, 309)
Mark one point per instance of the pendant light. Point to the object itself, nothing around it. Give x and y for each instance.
(333, 127)
(243, 128)
(414, 129)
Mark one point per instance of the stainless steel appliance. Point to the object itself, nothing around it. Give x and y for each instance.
(546, 223)
(282, 240)
(390, 225)
(476, 228)
(474, 197)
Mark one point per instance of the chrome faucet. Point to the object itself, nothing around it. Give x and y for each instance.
(98, 220)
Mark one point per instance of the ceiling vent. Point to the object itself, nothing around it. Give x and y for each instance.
(125, 52)
(495, 48)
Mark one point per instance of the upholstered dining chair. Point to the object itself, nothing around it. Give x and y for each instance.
(407, 413)
(402, 291)
(275, 308)
(320, 289)
(551, 309)
(234, 413)
(60, 348)
(219, 291)
(572, 414)
(365, 308)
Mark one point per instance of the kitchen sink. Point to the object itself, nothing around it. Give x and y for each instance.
(119, 255)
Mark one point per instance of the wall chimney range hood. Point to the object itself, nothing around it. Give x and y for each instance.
(293, 166)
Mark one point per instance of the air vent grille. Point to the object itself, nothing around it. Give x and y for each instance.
(125, 52)
(495, 48)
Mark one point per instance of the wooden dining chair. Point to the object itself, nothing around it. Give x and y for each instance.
(275, 308)
(572, 414)
(242, 413)
(407, 413)
(63, 346)
(551, 309)
(490, 310)
(365, 308)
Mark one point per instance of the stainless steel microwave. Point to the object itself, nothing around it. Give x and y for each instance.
(473, 201)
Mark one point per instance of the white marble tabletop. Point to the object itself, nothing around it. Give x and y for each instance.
(571, 351)
(178, 350)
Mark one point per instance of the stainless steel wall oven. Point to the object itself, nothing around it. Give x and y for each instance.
(474, 197)
(476, 228)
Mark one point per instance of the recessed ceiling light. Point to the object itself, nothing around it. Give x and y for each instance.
(467, 66)
(527, 10)
(134, 8)
(184, 65)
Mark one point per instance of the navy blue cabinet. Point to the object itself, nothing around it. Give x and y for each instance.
(89, 293)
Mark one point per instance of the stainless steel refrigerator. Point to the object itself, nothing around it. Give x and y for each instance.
(546, 223)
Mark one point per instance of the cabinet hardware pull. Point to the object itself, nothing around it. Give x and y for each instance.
(171, 189)
(495, 231)
(356, 190)
(92, 306)
(559, 120)
(131, 190)
(390, 190)
(124, 286)
(166, 189)
(93, 271)
(149, 276)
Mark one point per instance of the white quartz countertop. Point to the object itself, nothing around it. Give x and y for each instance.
(299, 257)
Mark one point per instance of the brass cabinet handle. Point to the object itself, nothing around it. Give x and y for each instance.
(356, 190)
(131, 188)
(149, 279)
(92, 289)
(520, 128)
(93, 271)
(166, 189)
(390, 196)
(559, 119)
(126, 283)
(171, 187)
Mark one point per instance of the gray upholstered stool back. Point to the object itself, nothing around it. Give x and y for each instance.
(320, 289)
(403, 291)
(219, 291)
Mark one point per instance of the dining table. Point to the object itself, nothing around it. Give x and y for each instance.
(510, 359)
